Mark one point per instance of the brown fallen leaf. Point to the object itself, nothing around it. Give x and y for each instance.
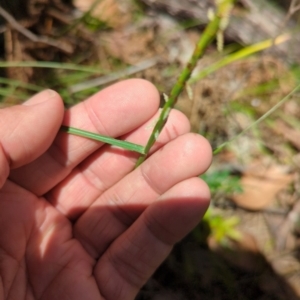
(260, 186)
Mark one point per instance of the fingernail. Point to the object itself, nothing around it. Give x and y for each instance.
(40, 97)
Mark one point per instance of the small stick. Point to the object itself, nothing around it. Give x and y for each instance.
(31, 36)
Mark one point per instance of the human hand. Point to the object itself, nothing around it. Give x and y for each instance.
(75, 221)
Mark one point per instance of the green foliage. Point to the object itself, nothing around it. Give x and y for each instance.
(222, 182)
(94, 24)
(295, 70)
(222, 228)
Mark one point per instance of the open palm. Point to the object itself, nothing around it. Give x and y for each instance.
(76, 221)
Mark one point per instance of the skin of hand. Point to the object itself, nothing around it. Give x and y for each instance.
(76, 221)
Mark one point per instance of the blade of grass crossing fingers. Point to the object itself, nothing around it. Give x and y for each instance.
(105, 139)
(210, 32)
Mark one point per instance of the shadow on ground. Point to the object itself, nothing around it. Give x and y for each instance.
(195, 272)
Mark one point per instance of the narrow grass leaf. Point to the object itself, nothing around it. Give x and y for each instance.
(263, 117)
(238, 55)
(51, 65)
(105, 139)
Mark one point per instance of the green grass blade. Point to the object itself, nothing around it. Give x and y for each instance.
(105, 139)
(243, 53)
(18, 83)
(263, 117)
(51, 65)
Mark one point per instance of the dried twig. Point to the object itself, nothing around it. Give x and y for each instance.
(33, 37)
(287, 226)
(294, 7)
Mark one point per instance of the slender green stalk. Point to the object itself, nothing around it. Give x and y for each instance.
(51, 65)
(18, 83)
(263, 117)
(105, 139)
(207, 37)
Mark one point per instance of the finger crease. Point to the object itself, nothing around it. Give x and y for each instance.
(120, 264)
(96, 121)
(155, 227)
(150, 182)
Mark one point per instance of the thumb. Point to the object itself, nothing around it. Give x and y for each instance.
(27, 130)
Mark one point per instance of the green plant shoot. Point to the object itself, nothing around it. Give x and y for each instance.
(216, 22)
